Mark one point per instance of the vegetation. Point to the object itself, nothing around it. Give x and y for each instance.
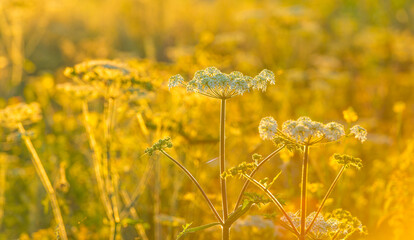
(161, 119)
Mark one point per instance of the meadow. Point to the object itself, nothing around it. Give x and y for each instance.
(206, 119)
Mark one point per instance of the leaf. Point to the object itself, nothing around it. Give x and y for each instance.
(187, 230)
(240, 211)
(273, 181)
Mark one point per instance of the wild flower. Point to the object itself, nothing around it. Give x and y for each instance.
(108, 78)
(15, 117)
(23, 113)
(348, 161)
(301, 134)
(160, 145)
(211, 82)
(305, 131)
(347, 224)
(334, 131)
(82, 91)
(350, 115)
(267, 128)
(359, 132)
(339, 223)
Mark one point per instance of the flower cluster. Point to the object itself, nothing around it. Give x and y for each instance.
(23, 113)
(348, 161)
(78, 90)
(107, 77)
(213, 83)
(304, 131)
(359, 132)
(255, 198)
(322, 227)
(242, 169)
(347, 224)
(267, 128)
(158, 146)
(333, 131)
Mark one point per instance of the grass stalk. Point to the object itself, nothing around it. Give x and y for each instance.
(46, 183)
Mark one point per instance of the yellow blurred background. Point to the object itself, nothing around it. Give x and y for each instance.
(331, 55)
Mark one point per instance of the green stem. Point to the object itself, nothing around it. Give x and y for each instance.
(46, 183)
(303, 192)
(213, 209)
(225, 232)
(246, 183)
(326, 197)
(222, 156)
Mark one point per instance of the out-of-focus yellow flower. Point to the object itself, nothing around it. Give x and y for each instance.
(350, 115)
(399, 107)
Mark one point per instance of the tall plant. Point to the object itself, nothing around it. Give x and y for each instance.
(212, 83)
(302, 135)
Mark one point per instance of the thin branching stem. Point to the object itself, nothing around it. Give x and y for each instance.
(210, 204)
(138, 191)
(246, 183)
(46, 182)
(96, 156)
(138, 227)
(338, 176)
(274, 200)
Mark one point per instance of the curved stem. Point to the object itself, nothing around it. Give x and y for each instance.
(197, 184)
(275, 201)
(46, 182)
(303, 192)
(246, 183)
(326, 197)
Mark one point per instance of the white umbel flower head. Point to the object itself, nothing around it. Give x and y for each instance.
(334, 131)
(268, 128)
(320, 229)
(175, 81)
(302, 129)
(211, 82)
(359, 132)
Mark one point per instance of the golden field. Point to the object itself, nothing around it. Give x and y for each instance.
(97, 74)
